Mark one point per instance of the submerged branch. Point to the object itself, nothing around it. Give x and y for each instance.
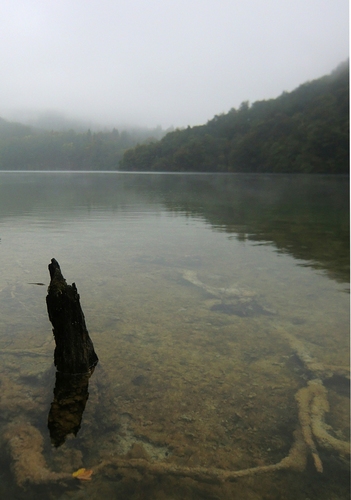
(25, 442)
(313, 404)
(296, 460)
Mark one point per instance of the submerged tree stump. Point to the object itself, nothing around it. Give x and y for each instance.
(74, 352)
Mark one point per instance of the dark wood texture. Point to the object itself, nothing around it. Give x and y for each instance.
(74, 352)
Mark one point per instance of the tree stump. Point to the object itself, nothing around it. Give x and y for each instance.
(74, 352)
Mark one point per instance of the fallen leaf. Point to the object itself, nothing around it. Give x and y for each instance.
(83, 474)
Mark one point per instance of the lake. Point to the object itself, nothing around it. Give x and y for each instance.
(218, 306)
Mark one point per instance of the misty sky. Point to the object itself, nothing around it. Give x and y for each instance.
(162, 62)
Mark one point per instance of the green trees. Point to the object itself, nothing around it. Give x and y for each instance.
(27, 148)
(304, 131)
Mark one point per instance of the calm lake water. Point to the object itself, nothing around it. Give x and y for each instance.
(211, 300)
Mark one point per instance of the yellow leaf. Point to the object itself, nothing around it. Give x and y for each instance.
(83, 474)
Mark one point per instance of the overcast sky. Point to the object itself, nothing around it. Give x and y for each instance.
(162, 62)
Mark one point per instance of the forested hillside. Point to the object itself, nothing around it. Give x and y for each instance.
(28, 148)
(306, 131)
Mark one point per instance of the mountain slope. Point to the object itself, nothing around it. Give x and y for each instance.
(306, 131)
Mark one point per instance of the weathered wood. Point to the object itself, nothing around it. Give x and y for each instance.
(74, 352)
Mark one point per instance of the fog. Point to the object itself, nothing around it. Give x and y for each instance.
(160, 62)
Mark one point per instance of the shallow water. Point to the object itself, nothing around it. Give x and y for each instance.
(193, 287)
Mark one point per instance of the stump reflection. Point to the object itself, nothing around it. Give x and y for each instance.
(66, 412)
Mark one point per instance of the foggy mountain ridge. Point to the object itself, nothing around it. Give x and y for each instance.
(63, 144)
(306, 130)
(60, 122)
(303, 131)
(53, 121)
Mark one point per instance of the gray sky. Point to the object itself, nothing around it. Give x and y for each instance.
(162, 62)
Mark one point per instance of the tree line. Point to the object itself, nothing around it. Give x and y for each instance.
(304, 131)
(29, 148)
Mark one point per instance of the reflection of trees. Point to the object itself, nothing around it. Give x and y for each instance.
(304, 216)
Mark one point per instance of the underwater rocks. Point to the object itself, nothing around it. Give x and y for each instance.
(245, 309)
(232, 300)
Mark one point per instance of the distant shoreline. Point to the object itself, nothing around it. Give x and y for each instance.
(126, 172)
